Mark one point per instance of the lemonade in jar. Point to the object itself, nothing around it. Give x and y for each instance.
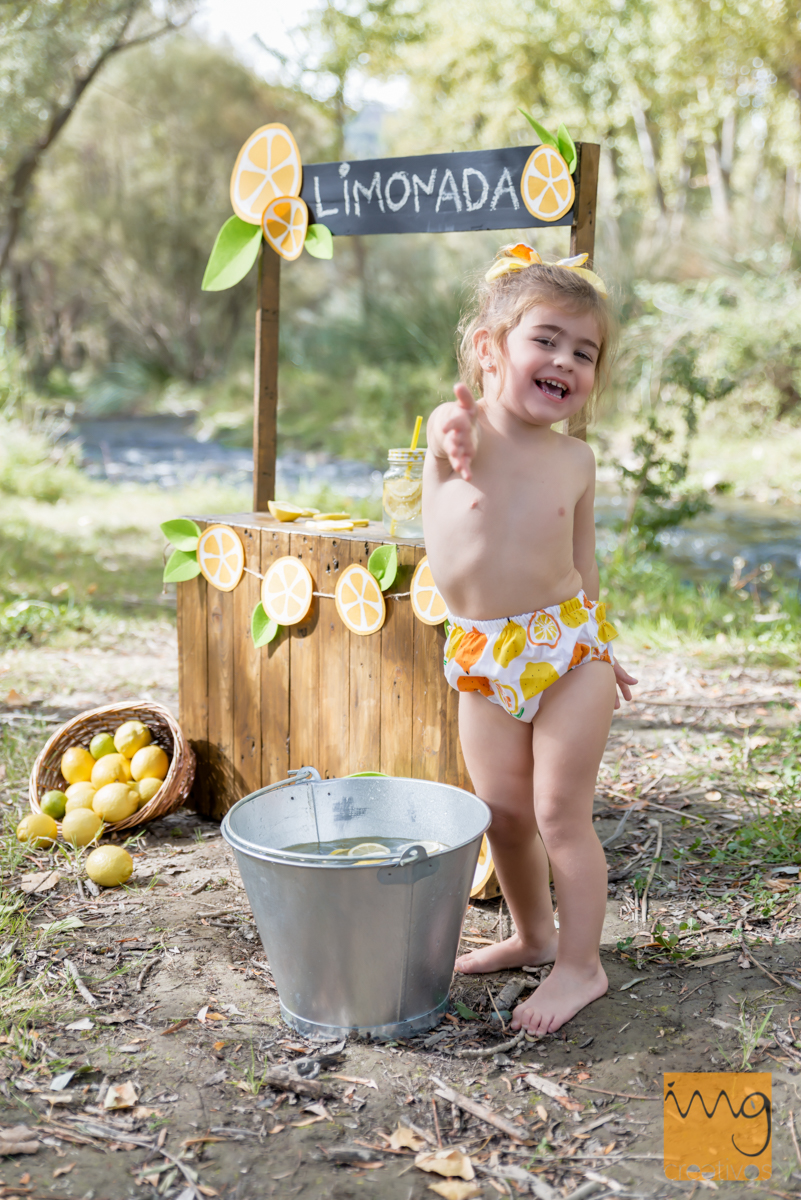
(403, 493)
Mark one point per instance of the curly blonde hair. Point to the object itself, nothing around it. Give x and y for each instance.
(500, 306)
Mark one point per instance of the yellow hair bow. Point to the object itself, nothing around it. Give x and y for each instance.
(516, 258)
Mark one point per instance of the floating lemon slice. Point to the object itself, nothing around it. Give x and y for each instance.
(267, 167)
(485, 881)
(403, 498)
(368, 848)
(282, 510)
(284, 223)
(427, 603)
(221, 557)
(360, 601)
(286, 591)
(547, 185)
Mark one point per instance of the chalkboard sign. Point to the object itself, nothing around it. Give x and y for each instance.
(425, 193)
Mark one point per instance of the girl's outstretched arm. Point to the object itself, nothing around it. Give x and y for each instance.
(453, 431)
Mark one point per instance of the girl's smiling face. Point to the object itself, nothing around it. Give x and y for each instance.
(549, 367)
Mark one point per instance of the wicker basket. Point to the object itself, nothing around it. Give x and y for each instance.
(46, 773)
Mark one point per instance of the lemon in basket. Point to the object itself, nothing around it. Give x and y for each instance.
(130, 737)
(101, 743)
(38, 829)
(111, 768)
(109, 866)
(147, 789)
(115, 802)
(77, 764)
(80, 795)
(149, 763)
(54, 804)
(81, 826)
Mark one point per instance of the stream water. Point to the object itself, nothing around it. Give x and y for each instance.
(162, 451)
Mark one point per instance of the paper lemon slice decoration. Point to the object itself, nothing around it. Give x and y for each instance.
(427, 603)
(221, 557)
(360, 601)
(286, 591)
(485, 883)
(284, 223)
(267, 166)
(547, 185)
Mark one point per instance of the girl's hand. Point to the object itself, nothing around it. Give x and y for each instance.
(460, 431)
(623, 681)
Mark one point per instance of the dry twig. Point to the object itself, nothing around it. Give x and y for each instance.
(479, 1110)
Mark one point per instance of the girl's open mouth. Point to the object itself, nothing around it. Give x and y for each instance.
(552, 388)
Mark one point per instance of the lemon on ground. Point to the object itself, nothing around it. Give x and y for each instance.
(150, 763)
(54, 804)
(38, 829)
(101, 743)
(109, 866)
(80, 795)
(81, 826)
(115, 802)
(147, 789)
(130, 737)
(77, 764)
(111, 768)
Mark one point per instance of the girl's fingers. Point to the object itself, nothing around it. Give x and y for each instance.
(464, 396)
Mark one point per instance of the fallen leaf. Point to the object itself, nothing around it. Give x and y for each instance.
(541, 1112)
(79, 1026)
(206, 1191)
(201, 1014)
(446, 1162)
(405, 1139)
(40, 881)
(15, 700)
(178, 1025)
(745, 962)
(277, 1129)
(453, 1189)
(631, 982)
(59, 1082)
(121, 1095)
(141, 1112)
(319, 1110)
(24, 1179)
(219, 1045)
(582, 1075)
(355, 1079)
(712, 795)
(64, 1170)
(608, 1149)
(115, 1018)
(308, 1121)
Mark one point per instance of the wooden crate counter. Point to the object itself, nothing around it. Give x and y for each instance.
(318, 695)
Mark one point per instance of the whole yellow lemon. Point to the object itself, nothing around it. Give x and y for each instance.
(38, 829)
(130, 737)
(54, 804)
(76, 764)
(101, 743)
(147, 789)
(109, 866)
(111, 768)
(115, 802)
(79, 795)
(80, 827)
(150, 763)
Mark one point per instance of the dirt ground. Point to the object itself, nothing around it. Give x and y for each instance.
(177, 1000)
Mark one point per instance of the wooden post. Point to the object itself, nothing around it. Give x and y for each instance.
(582, 237)
(265, 382)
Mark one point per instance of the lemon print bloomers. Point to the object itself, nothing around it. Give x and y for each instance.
(513, 660)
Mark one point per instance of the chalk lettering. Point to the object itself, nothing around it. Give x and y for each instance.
(396, 205)
(472, 205)
(319, 210)
(375, 186)
(452, 193)
(505, 188)
(428, 189)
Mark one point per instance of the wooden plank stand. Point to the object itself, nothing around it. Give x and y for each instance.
(319, 695)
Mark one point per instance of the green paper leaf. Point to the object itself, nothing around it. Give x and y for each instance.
(545, 137)
(383, 565)
(182, 533)
(319, 241)
(567, 148)
(181, 565)
(263, 629)
(233, 254)
(466, 1013)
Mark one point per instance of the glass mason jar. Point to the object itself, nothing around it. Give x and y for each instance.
(403, 494)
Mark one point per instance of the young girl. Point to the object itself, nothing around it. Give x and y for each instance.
(509, 529)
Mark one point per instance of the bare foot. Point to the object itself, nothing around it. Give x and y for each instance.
(558, 998)
(514, 952)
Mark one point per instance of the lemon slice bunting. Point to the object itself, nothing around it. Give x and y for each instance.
(360, 601)
(485, 881)
(427, 603)
(267, 168)
(221, 557)
(286, 591)
(547, 186)
(284, 223)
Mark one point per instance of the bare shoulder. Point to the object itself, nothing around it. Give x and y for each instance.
(580, 453)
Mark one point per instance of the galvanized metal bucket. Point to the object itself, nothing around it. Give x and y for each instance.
(364, 947)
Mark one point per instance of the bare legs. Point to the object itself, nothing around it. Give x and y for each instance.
(561, 750)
